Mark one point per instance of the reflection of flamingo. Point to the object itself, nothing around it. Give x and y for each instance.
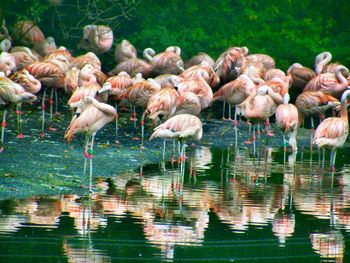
(93, 116)
(332, 132)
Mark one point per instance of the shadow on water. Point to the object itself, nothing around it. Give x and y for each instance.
(218, 205)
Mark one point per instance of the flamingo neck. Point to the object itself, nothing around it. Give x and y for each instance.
(340, 76)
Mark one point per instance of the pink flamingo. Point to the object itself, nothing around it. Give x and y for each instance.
(124, 51)
(97, 38)
(27, 33)
(229, 63)
(12, 93)
(300, 75)
(115, 87)
(235, 92)
(287, 119)
(133, 66)
(51, 74)
(332, 132)
(91, 116)
(198, 59)
(27, 81)
(333, 84)
(180, 126)
(23, 56)
(202, 70)
(88, 58)
(168, 61)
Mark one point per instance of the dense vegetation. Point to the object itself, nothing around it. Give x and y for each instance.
(290, 31)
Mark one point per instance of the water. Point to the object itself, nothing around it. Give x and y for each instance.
(227, 206)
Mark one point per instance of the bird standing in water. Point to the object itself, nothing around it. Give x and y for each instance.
(287, 119)
(91, 116)
(180, 126)
(332, 132)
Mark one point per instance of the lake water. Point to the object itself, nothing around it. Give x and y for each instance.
(227, 205)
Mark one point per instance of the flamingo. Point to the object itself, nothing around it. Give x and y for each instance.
(168, 61)
(332, 132)
(13, 93)
(91, 116)
(202, 70)
(322, 64)
(24, 56)
(60, 51)
(71, 82)
(88, 86)
(198, 59)
(267, 61)
(273, 73)
(27, 81)
(139, 94)
(188, 103)
(235, 92)
(51, 74)
(300, 75)
(260, 107)
(180, 126)
(287, 120)
(115, 87)
(133, 66)
(332, 84)
(228, 65)
(5, 38)
(168, 80)
(88, 58)
(199, 87)
(311, 103)
(27, 32)
(45, 47)
(124, 51)
(7, 63)
(253, 69)
(96, 38)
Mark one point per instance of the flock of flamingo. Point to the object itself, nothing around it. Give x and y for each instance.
(169, 91)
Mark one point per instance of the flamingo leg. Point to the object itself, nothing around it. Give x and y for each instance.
(333, 156)
(56, 101)
(42, 134)
(323, 157)
(3, 128)
(223, 110)
(284, 148)
(86, 154)
(254, 139)
(19, 121)
(134, 116)
(116, 123)
(229, 112)
(143, 128)
(312, 132)
(91, 156)
(235, 122)
(164, 143)
(51, 103)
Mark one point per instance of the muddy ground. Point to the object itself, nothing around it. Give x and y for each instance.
(32, 166)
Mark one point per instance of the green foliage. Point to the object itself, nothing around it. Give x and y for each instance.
(290, 31)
